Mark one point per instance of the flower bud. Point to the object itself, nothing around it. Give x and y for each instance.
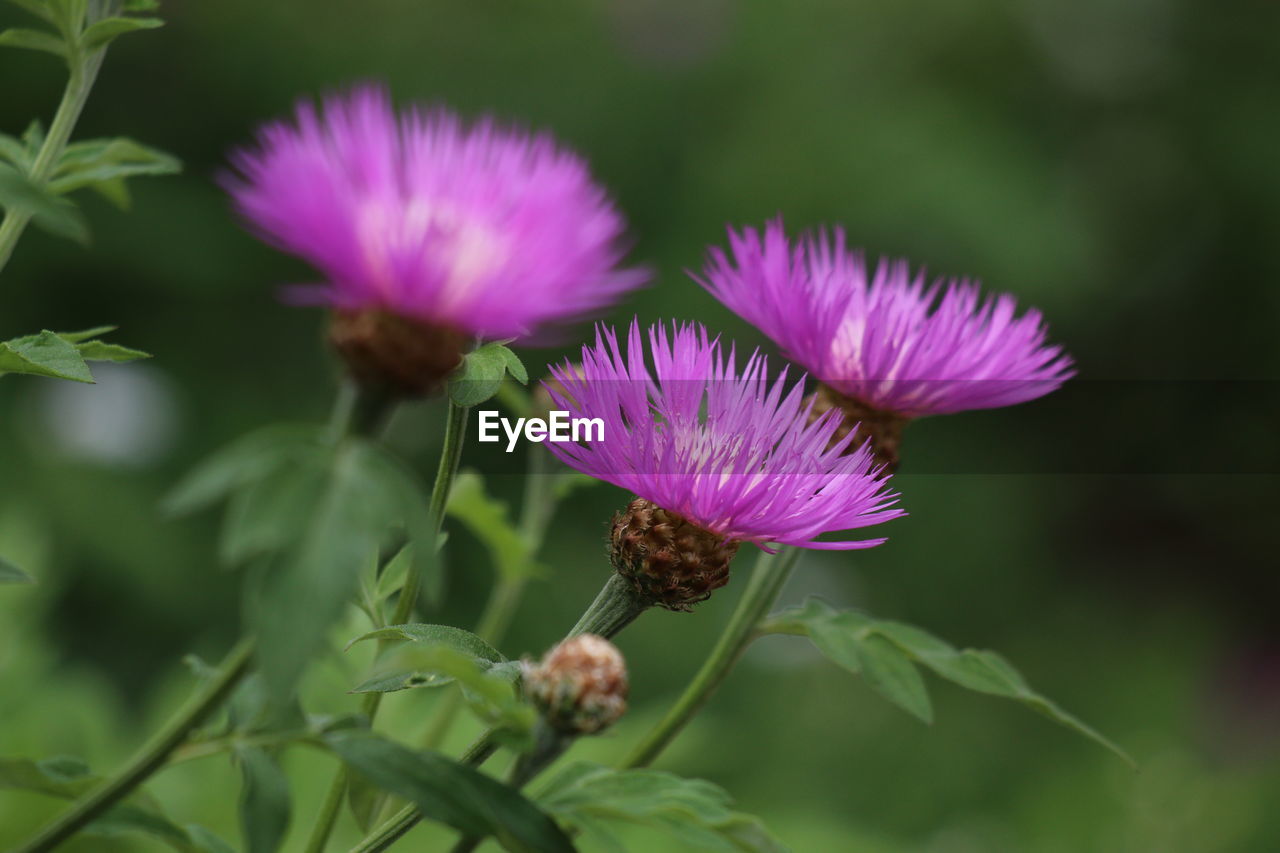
(670, 561)
(391, 352)
(883, 429)
(580, 686)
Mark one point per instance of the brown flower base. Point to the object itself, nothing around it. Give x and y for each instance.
(670, 561)
(392, 353)
(882, 429)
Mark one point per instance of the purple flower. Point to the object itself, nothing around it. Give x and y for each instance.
(480, 228)
(731, 452)
(886, 340)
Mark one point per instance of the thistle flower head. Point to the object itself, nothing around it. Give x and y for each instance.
(885, 339)
(580, 686)
(476, 228)
(725, 451)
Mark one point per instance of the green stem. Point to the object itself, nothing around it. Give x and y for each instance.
(407, 818)
(84, 71)
(156, 752)
(549, 745)
(770, 574)
(616, 607)
(151, 757)
(450, 457)
(537, 508)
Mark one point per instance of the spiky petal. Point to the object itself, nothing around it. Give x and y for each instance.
(479, 228)
(728, 450)
(885, 339)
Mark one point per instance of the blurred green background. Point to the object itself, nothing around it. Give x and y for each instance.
(1113, 162)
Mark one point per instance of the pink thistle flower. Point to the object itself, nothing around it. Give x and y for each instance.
(884, 340)
(730, 452)
(477, 228)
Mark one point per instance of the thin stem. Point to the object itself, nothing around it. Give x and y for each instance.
(768, 578)
(536, 510)
(614, 608)
(549, 745)
(407, 818)
(450, 457)
(151, 757)
(84, 71)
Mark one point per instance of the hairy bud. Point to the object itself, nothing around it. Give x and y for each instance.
(882, 428)
(670, 561)
(391, 352)
(580, 686)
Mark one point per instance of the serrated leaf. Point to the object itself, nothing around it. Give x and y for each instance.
(265, 802)
(104, 32)
(978, 670)
(592, 798)
(33, 40)
(451, 793)
(44, 354)
(230, 469)
(51, 213)
(11, 574)
(487, 518)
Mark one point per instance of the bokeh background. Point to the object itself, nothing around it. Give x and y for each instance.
(1113, 162)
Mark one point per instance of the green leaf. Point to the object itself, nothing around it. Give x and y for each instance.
(63, 776)
(514, 365)
(849, 636)
(441, 636)
(35, 7)
(591, 798)
(245, 461)
(141, 5)
(51, 213)
(86, 334)
(102, 351)
(352, 506)
(436, 635)
(33, 40)
(893, 676)
(108, 30)
(9, 573)
(272, 513)
(15, 153)
(488, 686)
(265, 804)
(204, 841)
(69, 778)
(108, 161)
(45, 354)
(479, 376)
(451, 793)
(487, 518)
(365, 801)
